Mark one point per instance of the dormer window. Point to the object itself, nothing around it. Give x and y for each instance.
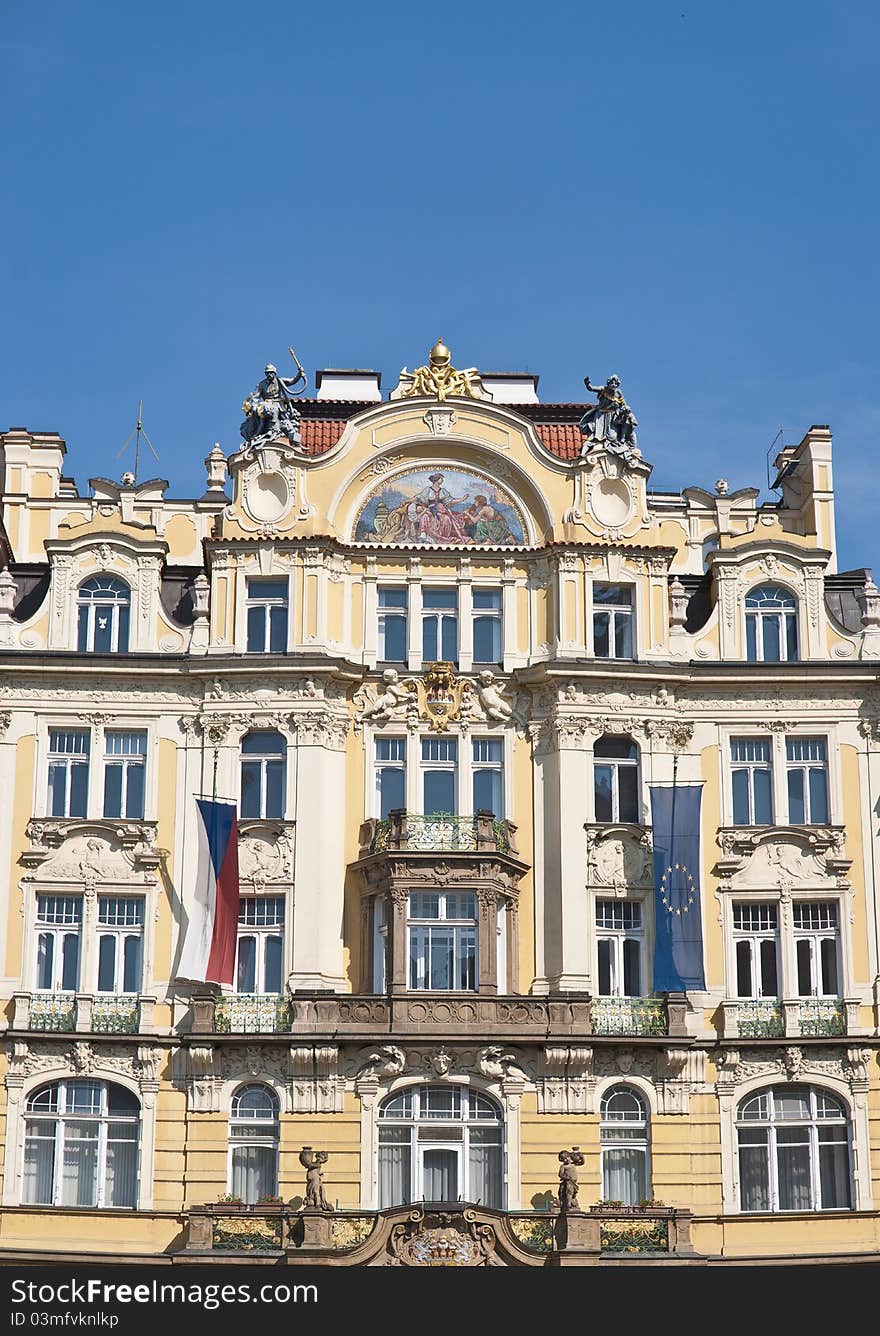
(771, 625)
(104, 612)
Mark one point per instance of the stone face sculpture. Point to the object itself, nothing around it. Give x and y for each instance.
(269, 409)
(609, 422)
(313, 1162)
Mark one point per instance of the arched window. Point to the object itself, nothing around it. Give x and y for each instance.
(104, 609)
(794, 1151)
(771, 625)
(623, 1134)
(253, 1143)
(81, 1145)
(616, 778)
(440, 1143)
(263, 775)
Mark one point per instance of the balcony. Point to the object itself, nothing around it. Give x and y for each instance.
(791, 1018)
(252, 1013)
(83, 1013)
(629, 1015)
(440, 832)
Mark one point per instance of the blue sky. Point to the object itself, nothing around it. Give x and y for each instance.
(686, 194)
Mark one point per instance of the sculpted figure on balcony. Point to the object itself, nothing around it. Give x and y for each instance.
(313, 1162)
(389, 703)
(569, 1160)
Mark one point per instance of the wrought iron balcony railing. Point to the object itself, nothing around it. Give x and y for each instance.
(822, 1016)
(628, 1015)
(84, 1013)
(115, 1014)
(252, 1013)
(52, 1011)
(760, 1018)
(438, 831)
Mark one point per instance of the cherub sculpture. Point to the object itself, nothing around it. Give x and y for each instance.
(389, 703)
(569, 1160)
(313, 1162)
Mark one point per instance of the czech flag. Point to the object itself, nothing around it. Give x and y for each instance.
(209, 947)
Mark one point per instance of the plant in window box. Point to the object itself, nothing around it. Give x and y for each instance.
(268, 1204)
(228, 1202)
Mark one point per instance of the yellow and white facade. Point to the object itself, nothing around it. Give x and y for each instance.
(436, 651)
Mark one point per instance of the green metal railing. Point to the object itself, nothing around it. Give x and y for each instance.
(760, 1018)
(628, 1015)
(252, 1013)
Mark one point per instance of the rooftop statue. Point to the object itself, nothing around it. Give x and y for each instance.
(439, 379)
(609, 422)
(269, 409)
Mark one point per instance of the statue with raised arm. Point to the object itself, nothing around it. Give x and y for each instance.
(569, 1160)
(269, 409)
(313, 1162)
(610, 421)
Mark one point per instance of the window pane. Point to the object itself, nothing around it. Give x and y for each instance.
(134, 798)
(754, 1173)
(487, 640)
(395, 1160)
(250, 788)
(770, 633)
(82, 630)
(122, 639)
(273, 964)
(429, 640)
(604, 950)
(600, 635)
(628, 793)
(623, 636)
(79, 1169)
(247, 965)
(797, 812)
(487, 792)
(834, 1190)
(256, 630)
(752, 638)
(79, 790)
(57, 789)
(39, 1160)
(829, 966)
(103, 624)
(763, 798)
(70, 962)
(113, 790)
(487, 598)
(392, 790)
(253, 1172)
(484, 1166)
(741, 815)
(131, 970)
(106, 963)
(440, 598)
(278, 629)
(631, 967)
(602, 784)
(768, 969)
(793, 1169)
(804, 968)
(275, 786)
(623, 1174)
(45, 957)
(450, 639)
(120, 1182)
(392, 639)
(439, 791)
(818, 796)
(791, 642)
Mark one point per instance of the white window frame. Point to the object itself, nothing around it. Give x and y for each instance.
(616, 763)
(114, 603)
(67, 761)
(101, 1119)
(126, 762)
(811, 1126)
(607, 1126)
(754, 936)
(426, 613)
(616, 936)
(617, 612)
(268, 1140)
(750, 766)
(120, 932)
(264, 759)
(442, 765)
(460, 928)
(804, 767)
(461, 1143)
(260, 932)
(495, 766)
(266, 604)
(383, 613)
(779, 615)
(494, 614)
(58, 930)
(391, 763)
(814, 937)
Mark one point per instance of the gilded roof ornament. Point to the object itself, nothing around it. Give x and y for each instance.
(440, 379)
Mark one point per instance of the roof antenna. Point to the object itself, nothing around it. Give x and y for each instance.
(131, 478)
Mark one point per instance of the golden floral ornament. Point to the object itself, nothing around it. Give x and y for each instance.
(439, 379)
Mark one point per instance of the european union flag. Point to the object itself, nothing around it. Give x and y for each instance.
(678, 940)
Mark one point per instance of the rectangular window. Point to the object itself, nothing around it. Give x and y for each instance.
(755, 928)
(612, 621)
(439, 775)
(806, 764)
(619, 947)
(120, 943)
(488, 776)
(58, 930)
(267, 616)
(816, 943)
(752, 782)
(443, 941)
(68, 771)
(380, 942)
(488, 638)
(393, 622)
(439, 625)
(125, 757)
(390, 775)
(260, 964)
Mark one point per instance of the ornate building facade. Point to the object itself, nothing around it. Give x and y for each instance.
(436, 647)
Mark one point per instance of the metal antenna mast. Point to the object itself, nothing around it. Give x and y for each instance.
(138, 432)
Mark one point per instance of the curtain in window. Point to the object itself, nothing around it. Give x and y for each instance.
(440, 1175)
(39, 1163)
(120, 1182)
(623, 1174)
(253, 1172)
(754, 1175)
(484, 1165)
(833, 1169)
(394, 1166)
(79, 1170)
(793, 1169)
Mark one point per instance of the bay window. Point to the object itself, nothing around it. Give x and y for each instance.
(442, 931)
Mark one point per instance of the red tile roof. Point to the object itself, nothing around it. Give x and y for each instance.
(323, 422)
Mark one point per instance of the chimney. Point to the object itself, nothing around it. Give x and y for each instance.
(350, 385)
